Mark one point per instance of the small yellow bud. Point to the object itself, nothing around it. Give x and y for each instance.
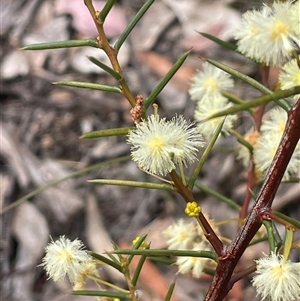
(192, 209)
(142, 246)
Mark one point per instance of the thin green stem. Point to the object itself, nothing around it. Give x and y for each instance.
(99, 293)
(138, 184)
(247, 79)
(150, 99)
(204, 156)
(106, 9)
(61, 180)
(269, 227)
(132, 24)
(218, 195)
(257, 102)
(170, 292)
(288, 241)
(161, 252)
(99, 280)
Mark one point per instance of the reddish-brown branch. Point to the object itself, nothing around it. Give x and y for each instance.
(221, 283)
(210, 234)
(242, 274)
(251, 181)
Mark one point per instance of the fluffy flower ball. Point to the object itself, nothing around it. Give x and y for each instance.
(189, 236)
(194, 264)
(206, 108)
(277, 279)
(271, 132)
(67, 258)
(271, 34)
(289, 76)
(159, 145)
(209, 82)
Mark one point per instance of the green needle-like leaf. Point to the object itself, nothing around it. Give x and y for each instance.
(279, 94)
(85, 85)
(138, 270)
(106, 9)
(115, 247)
(107, 261)
(258, 240)
(209, 271)
(234, 99)
(205, 155)
(220, 42)
(62, 44)
(252, 82)
(218, 196)
(150, 99)
(106, 133)
(132, 24)
(288, 241)
(113, 258)
(164, 260)
(106, 68)
(61, 180)
(167, 187)
(170, 291)
(242, 140)
(288, 219)
(269, 227)
(151, 252)
(102, 294)
(273, 236)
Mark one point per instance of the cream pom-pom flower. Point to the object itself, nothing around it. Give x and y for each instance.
(196, 264)
(184, 235)
(268, 142)
(159, 145)
(289, 76)
(67, 258)
(207, 108)
(180, 235)
(210, 81)
(277, 278)
(270, 35)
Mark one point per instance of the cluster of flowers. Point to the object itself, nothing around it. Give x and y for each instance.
(67, 258)
(158, 145)
(276, 278)
(269, 36)
(189, 236)
(206, 88)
